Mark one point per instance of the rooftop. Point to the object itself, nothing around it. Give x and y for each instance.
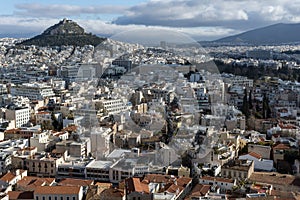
(99, 164)
(31, 182)
(135, 185)
(14, 195)
(275, 178)
(75, 182)
(44, 190)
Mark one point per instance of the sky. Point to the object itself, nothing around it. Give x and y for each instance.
(199, 19)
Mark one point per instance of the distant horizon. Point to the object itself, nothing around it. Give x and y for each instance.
(33, 34)
(202, 20)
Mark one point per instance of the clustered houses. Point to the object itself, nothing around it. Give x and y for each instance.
(162, 130)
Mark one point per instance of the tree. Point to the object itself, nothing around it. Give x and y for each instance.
(250, 100)
(266, 107)
(245, 107)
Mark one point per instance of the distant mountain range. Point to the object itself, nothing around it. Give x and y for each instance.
(66, 32)
(274, 34)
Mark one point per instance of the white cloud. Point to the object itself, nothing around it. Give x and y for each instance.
(33, 26)
(202, 19)
(238, 14)
(62, 10)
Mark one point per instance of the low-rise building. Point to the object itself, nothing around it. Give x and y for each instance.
(42, 165)
(58, 192)
(223, 183)
(98, 170)
(259, 163)
(238, 169)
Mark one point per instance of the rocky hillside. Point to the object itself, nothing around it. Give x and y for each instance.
(66, 32)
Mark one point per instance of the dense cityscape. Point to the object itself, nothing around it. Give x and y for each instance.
(123, 120)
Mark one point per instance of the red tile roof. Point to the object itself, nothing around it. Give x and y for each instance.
(200, 190)
(175, 189)
(31, 182)
(14, 195)
(275, 178)
(75, 182)
(255, 155)
(9, 176)
(112, 192)
(183, 181)
(281, 146)
(158, 178)
(44, 190)
(135, 185)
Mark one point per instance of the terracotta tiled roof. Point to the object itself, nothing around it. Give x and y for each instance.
(175, 189)
(14, 195)
(43, 190)
(199, 190)
(31, 182)
(112, 192)
(135, 185)
(255, 155)
(281, 146)
(70, 128)
(9, 176)
(275, 178)
(158, 178)
(183, 181)
(75, 182)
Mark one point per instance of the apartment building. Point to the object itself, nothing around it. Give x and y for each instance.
(19, 115)
(34, 91)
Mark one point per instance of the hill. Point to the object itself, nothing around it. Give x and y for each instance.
(274, 34)
(66, 32)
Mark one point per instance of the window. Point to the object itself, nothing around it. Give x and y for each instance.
(36, 198)
(49, 198)
(68, 198)
(61, 198)
(74, 198)
(44, 198)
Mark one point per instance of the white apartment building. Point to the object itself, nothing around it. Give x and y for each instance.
(40, 140)
(34, 91)
(20, 115)
(111, 106)
(100, 141)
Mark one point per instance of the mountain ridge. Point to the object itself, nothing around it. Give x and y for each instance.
(279, 33)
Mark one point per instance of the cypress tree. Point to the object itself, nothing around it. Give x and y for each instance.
(245, 107)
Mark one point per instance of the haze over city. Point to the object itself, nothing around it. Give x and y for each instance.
(200, 19)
